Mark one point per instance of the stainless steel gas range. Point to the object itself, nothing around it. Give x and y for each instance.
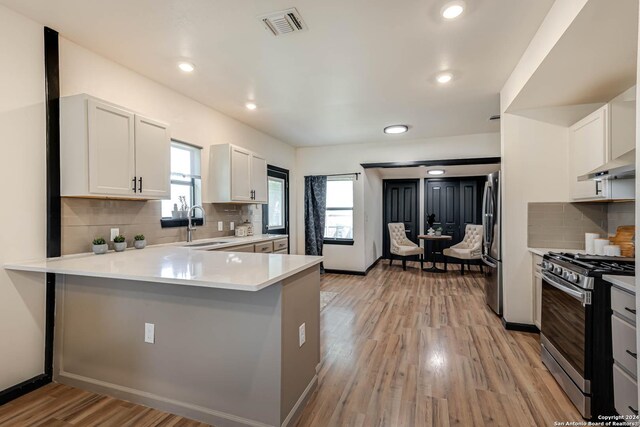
(576, 327)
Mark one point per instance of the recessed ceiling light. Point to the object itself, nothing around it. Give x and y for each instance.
(436, 172)
(251, 106)
(443, 78)
(453, 9)
(394, 129)
(187, 67)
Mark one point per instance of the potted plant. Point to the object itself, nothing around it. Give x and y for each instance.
(139, 241)
(119, 243)
(100, 246)
(430, 220)
(439, 231)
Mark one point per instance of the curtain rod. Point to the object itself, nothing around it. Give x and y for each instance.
(339, 174)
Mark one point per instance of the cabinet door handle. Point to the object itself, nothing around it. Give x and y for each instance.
(632, 354)
(635, 411)
(134, 184)
(140, 180)
(630, 310)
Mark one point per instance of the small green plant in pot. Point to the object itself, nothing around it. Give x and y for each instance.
(439, 231)
(139, 241)
(119, 243)
(100, 246)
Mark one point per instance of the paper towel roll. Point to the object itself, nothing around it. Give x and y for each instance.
(612, 250)
(588, 242)
(599, 245)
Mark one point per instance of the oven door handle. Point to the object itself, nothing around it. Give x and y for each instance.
(583, 296)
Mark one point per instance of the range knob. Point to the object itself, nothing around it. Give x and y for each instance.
(557, 270)
(573, 277)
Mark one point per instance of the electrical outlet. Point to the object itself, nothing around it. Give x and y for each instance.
(114, 232)
(232, 226)
(220, 226)
(302, 335)
(150, 333)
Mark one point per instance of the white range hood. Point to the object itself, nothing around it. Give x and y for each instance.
(624, 167)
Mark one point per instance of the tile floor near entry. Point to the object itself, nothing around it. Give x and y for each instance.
(399, 349)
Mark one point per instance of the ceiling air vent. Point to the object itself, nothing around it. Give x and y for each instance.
(284, 22)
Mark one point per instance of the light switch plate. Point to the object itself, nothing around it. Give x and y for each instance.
(114, 232)
(150, 333)
(302, 335)
(220, 226)
(232, 226)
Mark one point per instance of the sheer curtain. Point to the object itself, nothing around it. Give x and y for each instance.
(315, 206)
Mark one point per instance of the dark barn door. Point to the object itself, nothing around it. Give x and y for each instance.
(400, 204)
(456, 202)
(443, 199)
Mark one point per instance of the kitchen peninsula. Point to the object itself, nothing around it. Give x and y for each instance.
(227, 338)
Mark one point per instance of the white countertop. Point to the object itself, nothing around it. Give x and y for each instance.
(542, 251)
(179, 265)
(628, 283)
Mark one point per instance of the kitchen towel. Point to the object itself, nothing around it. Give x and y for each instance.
(599, 245)
(589, 242)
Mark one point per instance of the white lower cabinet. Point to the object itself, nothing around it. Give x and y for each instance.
(625, 371)
(537, 290)
(110, 151)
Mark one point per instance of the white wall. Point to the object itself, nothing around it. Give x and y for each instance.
(535, 158)
(82, 71)
(368, 189)
(22, 180)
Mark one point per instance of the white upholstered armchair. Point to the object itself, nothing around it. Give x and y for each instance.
(469, 249)
(401, 246)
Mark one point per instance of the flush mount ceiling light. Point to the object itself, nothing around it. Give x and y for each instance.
(187, 67)
(395, 129)
(452, 10)
(436, 172)
(444, 78)
(251, 106)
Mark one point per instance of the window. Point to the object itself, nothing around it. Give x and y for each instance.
(339, 217)
(276, 202)
(186, 184)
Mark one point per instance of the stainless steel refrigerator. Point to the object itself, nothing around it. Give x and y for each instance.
(491, 250)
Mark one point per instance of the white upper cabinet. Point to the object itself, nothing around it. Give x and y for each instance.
(588, 150)
(153, 162)
(259, 178)
(110, 151)
(236, 175)
(602, 136)
(240, 175)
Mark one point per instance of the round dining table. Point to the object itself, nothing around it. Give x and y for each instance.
(437, 249)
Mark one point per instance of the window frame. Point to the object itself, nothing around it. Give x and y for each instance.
(168, 222)
(341, 241)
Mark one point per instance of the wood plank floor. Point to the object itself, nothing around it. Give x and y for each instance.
(399, 349)
(418, 349)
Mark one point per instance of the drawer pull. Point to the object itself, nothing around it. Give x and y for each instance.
(632, 354)
(630, 310)
(635, 411)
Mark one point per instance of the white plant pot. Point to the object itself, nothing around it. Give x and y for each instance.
(438, 233)
(119, 246)
(100, 249)
(139, 244)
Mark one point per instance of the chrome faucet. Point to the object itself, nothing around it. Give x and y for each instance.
(190, 226)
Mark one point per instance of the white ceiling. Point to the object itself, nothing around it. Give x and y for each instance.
(362, 65)
(449, 171)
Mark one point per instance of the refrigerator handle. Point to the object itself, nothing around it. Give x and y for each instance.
(486, 217)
